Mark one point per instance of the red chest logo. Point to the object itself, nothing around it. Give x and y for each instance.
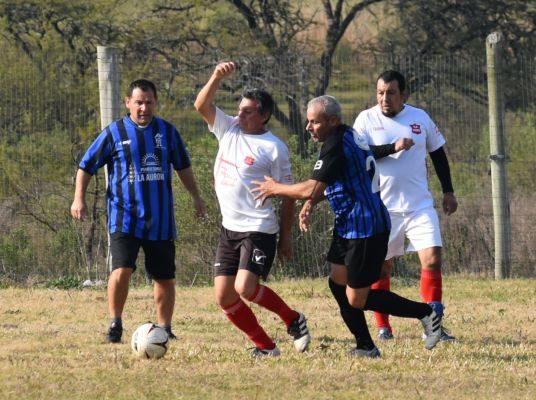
(249, 160)
(416, 129)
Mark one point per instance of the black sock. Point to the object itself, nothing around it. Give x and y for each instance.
(387, 302)
(117, 321)
(353, 317)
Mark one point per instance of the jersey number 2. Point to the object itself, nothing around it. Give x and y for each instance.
(373, 174)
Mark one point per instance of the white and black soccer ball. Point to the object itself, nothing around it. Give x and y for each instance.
(150, 341)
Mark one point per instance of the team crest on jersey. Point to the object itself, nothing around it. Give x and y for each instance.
(415, 128)
(249, 160)
(158, 140)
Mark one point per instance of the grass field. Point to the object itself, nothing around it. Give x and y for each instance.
(54, 348)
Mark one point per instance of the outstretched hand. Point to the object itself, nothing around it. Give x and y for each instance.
(264, 189)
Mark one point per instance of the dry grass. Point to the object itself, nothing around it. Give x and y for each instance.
(55, 348)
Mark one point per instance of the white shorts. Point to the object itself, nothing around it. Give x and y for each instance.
(420, 228)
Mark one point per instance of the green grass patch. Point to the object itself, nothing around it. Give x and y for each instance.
(54, 348)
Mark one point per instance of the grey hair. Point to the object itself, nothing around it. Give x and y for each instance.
(330, 106)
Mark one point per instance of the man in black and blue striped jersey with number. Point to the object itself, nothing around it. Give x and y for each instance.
(345, 174)
(140, 151)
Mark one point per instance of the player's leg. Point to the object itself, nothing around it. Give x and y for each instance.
(395, 248)
(365, 257)
(124, 252)
(353, 318)
(256, 258)
(385, 331)
(424, 234)
(229, 300)
(160, 267)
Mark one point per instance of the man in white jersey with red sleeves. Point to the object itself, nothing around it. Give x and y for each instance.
(247, 152)
(404, 186)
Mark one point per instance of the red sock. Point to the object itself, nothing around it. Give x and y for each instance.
(431, 285)
(382, 320)
(243, 318)
(267, 298)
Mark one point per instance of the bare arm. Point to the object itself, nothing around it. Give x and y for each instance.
(188, 180)
(79, 206)
(309, 189)
(204, 103)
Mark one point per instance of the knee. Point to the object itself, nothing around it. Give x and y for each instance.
(357, 302)
(244, 289)
(432, 263)
(120, 276)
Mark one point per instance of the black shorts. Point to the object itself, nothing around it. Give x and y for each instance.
(159, 255)
(363, 257)
(252, 251)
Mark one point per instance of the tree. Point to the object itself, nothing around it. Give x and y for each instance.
(458, 28)
(278, 30)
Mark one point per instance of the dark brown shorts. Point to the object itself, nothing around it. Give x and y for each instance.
(252, 251)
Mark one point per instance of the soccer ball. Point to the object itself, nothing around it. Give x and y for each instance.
(149, 341)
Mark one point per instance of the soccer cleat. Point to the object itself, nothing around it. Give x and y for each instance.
(385, 334)
(445, 335)
(372, 353)
(439, 310)
(299, 331)
(266, 352)
(115, 331)
(432, 328)
(170, 333)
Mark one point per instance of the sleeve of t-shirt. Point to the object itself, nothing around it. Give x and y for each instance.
(179, 152)
(360, 127)
(434, 138)
(330, 161)
(98, 153)
(281, 170)
(222, 123)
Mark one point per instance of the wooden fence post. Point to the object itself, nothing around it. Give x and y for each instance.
(501, 206)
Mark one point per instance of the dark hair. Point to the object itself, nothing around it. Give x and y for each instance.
(142, 84)
(392, 75)
(263, 99)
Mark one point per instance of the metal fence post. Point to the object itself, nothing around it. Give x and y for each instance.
(109, 96)
(501, 206)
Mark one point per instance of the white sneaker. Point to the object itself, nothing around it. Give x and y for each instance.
(266, 352)
(432, 328)
(300, 332)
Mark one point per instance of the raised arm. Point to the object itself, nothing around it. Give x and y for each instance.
(204, 103)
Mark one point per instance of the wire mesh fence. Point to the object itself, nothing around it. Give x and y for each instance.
(48, 118)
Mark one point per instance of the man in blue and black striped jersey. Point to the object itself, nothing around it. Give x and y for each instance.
(140, 151)
(345, 174)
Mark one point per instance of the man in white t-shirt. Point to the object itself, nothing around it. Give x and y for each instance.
(248, 240)
(404, 185)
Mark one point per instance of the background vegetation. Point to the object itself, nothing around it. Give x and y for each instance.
(296, 49)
